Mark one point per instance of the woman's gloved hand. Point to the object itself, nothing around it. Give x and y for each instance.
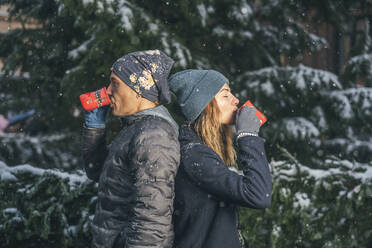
(96, 118)
(247, 122)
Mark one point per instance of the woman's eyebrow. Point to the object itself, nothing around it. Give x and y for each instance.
(225, 89)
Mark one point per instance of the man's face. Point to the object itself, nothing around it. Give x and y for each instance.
(124, 100)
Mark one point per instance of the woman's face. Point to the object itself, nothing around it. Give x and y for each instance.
(227, 104)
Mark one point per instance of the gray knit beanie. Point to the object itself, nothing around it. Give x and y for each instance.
(195, 89)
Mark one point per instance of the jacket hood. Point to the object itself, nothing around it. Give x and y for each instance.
(159, 111)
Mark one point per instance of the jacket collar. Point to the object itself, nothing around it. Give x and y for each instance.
(188, 135)
(159, 111)
(127, 120)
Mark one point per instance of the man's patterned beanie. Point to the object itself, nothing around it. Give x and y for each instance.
(146, 72)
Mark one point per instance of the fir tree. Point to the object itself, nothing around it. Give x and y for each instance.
(318, 135)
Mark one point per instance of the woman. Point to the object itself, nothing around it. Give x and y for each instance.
(207, 190)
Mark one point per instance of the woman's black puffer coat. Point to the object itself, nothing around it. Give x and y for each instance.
(136, 180)
(208, 193)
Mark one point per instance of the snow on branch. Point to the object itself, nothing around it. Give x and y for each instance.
(357, 60)
(222, 32)
(122, 7)
(312, 41)
(351, 147)
(38, 150)
(178, 51)
(302, 80)
(291, 40)
(8, 173)
(203, 13)
(243, 13)
(346, 103)
(360, 68)
(297, 128)
(125, 11)
(73, 54)
(342, 168)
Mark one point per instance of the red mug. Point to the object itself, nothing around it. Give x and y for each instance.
(95, 99)
(260, 116)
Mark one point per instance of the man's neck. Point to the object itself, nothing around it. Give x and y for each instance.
(146, 104)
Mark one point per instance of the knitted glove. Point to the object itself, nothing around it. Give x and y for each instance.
(247, 122)
(96, 118)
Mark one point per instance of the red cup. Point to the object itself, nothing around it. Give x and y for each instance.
(95, 99)
(260, 116)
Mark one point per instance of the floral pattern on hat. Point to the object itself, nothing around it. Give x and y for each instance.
(146, 81)
(146, 72)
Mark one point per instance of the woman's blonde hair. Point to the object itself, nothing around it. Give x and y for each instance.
(216, 135)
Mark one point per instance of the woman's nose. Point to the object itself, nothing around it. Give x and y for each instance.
(235, 101)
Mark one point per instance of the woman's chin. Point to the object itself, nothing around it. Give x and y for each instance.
(228, 122)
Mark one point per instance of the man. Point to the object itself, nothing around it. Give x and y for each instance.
(136, 174)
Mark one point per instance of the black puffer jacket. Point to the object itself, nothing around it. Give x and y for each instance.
(136, 180)
(207, 192)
